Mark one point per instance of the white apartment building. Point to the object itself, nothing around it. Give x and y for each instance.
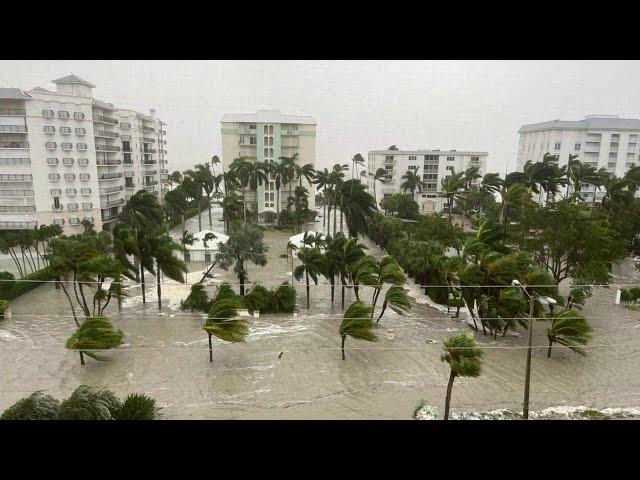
(66, 156)
(431, 165)
(599, 140)
(269, 135)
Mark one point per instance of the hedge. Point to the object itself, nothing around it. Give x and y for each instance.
(11, 289)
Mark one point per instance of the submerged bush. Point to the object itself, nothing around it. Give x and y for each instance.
(36, 406)
(259, 299)
(87, 403)
(224, 291)
(285, 298)
(198, 300)
(137, 406)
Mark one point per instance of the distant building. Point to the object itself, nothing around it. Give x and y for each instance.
(269, 135)
(599, 140)
(66, 156)
(431, 165)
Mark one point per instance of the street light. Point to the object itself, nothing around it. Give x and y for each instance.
(527, 374)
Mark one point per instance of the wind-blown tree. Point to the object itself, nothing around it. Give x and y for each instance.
(192, 187)
(305, 171)
(490, 184)
(355, 161)
(288, 171)
(142, 211)
(158, 246)
(208, 184)
(412, 182)
(245, 244)
(175, 202)
(358, 206)
(95, 333)
(396, 299)
(464, 361)
(376, 273)
(337, 179)
(380, 175)
(352, 254)
(513, 198)
(452, 187)
(322, 181)
(310, 267)
(357, 323)
(223, 323)
(569, 328)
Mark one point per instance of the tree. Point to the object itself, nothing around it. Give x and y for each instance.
(569, 328)
(464, 361)
(357, 323)
(322, 181)
(192, 187)
(36, 406)
(223, 323)
(491, 183)
(355, 161)
(208, 183)
(311, 266)
(392, 147)
(87, 403)
(412, 182)
(396, 299)
(380, 175)
(358, 206)
(176, 204)
(95, 333)
(245, 244)
(451, 187)
(378, 272)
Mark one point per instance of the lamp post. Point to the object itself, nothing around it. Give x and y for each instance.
(527, 374)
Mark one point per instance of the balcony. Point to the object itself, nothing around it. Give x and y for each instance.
(112, 203)
(105, 134)
(109, 176)
(147, 140)
(14, 145)
(149, 162)
(107, 148)
(151, 183)
(107, 217)
(17, 208)
(13, 129)
(107, 163)
(56, 208)
(108, 190)
(15, 178)
(15, 161)
(16, 193)
(148, 151)
(148, 129)
(11, 112)
(17, 225)
(103, 119)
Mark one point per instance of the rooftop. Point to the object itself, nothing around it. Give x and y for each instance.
(267, 116)
(12, 94)
(451, 153)
(590, 122)
(72, 79)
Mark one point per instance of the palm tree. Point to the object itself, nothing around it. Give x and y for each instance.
(352, 254)
(569, 328)
(378, 272)
(322, 181)
(463, 359)
(337, 176)
(208, 183)
(396, 299)
(490, 184)
(288, 171)
(223, 323)
(358, 206)
(412, 182)
(619, 194)
(451, 187)
(142, 210)
(311, 266)
(380, 175)
(95, 333)
(245, 244)
(305, 171)
(332, 260)
(192, 187)
(161, 247)
(175, 202)
(357, 323)
(355, 161)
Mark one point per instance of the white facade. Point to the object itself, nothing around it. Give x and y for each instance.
(66, 157)
(599, 140)
(269, 135)
(432, 166)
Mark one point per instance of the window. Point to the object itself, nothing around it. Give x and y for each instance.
(67, 146)
(63, 114)
(58, 221)
(266, 130)
(187, 257)
(55, 192)
(49, 129)
(72, 207)
(56, 203)
(87, 206)
(78, 115)
(85, 191)
(271, 152)
(388, 158)
(81, 131)
(412, 158)
(266, 152)
(127, 159)
(252, 140)
(412, 167)
(450, 168)
(266, 140)
(47, 113)
(557, 146)
(252, 126)
(266, 197)
(241, 139)
(74, 221)
(81, 146)
(69, 177)
(207, 257)
(475, 159)
(85, 176)
(431, 158)
(450, 159)
(65, 130)
(67, 161)
(71, 191)
(270, 129)
(83, 162)
(576, 147)
(270, 141)
(54, 177)
(90, 219)
(51, 145)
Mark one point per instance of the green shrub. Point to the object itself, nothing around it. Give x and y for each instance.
(285, 298)
(87, 403)
(630, 294)
(259, 299)
(36, 406)
(137, 407)
(11, 290)
(224, 291)
(198, 300)
(4, 305)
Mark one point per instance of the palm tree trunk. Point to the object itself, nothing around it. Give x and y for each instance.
(342, 296)
(344, 337)
(159, 286)
(549, 350)
(209, 205)
(384, 307)
(199, 217)
(81, 358)
(447, 402)
(241, 278)
(307, 277)
(333, 289)
(142, 283)
(335, 207)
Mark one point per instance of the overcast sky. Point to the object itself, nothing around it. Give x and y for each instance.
(359, 105)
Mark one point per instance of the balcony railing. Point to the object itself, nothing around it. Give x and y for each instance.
(56, 208)
(17, 208)
(17, 225)
(149, 162)
(112, 203)
(17, 177)
(109, 176)
(16, 193)
(148, 150)
(13, 129)
(107, 148)
(15, 161)
(148, 129)
(151, 183)
(147, 140)
(104, 163)
(14, 144)
(108, 217)
(108, 190)
(103, 119)
(104, 133)
(9, 112)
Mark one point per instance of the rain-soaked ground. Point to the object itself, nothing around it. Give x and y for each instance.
(165, 355)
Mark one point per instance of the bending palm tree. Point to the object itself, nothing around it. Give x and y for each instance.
(95, 333)
(464, 361)
(569, 328)
(412, 182)
(379, 176)
(311, 266)
(357, 324)
(224, 324)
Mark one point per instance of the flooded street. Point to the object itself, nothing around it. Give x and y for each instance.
(166, 356)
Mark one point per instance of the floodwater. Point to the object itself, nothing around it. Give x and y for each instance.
(165, 355)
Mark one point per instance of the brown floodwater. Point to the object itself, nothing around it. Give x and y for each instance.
(165, 355)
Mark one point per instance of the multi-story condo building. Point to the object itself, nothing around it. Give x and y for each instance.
(431, 165)
(269, 135)
(599, 140)
(66, 156)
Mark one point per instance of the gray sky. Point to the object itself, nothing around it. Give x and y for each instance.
(359, 105)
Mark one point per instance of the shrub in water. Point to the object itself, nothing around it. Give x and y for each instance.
(87, 403)
(4, 305)
(197, 299)
(137, 407)
(36, 406)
